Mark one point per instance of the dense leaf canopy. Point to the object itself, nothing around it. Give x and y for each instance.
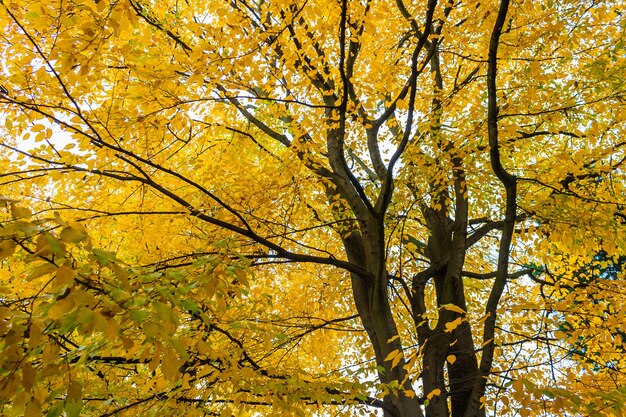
(312, 207)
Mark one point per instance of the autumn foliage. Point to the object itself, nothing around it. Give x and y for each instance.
(404, 208)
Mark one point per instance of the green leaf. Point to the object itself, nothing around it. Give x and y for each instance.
(139, 315)
(32, 16)
(190, 305)
(103, 257)
(56, 410)
(120, 295)
(73, 408)
(56, 246)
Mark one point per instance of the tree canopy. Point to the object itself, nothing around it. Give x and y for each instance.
(404, 208)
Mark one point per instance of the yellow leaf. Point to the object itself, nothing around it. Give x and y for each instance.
(43, 246)
(72, 234)
(392, 354)
(77, 226)
(451, 359)
(41, 270)
(29, 373)
(455, 308)
(33, 409)
(34, 335)
(64, 275)
(7, 247)
(391, 339)
(242, 277)
(84, 298)
(433, 393)
(396, 359)
(19, 212)
(185, 383)
(60, 308)
(170, 364)
(451, 325)
(121, 275)
(159, 383)
(74, 391)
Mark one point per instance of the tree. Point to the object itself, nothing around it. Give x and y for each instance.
(291, 208)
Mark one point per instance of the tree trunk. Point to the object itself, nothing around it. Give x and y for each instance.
(372, 304)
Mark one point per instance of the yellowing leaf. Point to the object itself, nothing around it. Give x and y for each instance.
(121, 275)
(84, 298)
(41, 270)
(74, 391)
(43, 246)
(72, 234)
(451, 359)
(170, 364)
(73, 408)
(242, 277)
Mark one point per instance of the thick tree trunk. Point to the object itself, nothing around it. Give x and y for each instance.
(372, 303)
(446, 250)
(464, 371)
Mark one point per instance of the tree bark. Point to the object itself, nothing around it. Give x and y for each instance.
(372, 304)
